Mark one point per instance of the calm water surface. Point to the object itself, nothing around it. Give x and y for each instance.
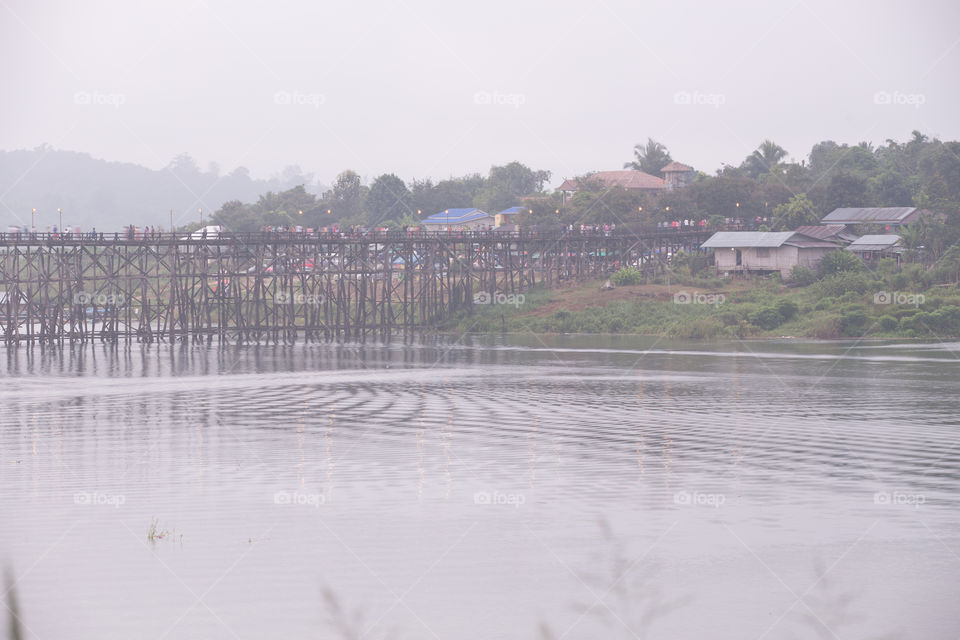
(513, 488)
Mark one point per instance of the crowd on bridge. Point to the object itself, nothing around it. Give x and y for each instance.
(132, 233)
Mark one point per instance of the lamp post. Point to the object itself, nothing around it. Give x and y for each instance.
(60, 211)
(171, 220)
(33, 222)
(201, 217)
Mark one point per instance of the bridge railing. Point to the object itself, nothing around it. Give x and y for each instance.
(229, 237)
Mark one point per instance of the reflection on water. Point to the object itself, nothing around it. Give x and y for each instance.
(482, 488)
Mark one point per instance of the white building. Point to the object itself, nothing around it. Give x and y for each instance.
(766, 251)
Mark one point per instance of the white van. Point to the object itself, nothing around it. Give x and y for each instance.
(210, 231)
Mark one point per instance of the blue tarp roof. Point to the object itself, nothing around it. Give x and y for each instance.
(456, 216)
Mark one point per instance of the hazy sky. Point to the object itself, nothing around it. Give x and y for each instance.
(444, 88)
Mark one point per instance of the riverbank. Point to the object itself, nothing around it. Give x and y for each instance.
(846, 305)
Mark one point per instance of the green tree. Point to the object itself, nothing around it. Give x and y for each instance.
(764, 159)
(720, 196)
(846, 189)
(507, 184)
(828, 157)
(889, 188)
(430, 198)
(797, 212)
(614, 205)
(347, 197)
(236, 216)
(389, 199)
(649, 158)
(837, 262)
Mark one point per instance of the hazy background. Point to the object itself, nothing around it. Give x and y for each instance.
(434, 89)
(391, 86)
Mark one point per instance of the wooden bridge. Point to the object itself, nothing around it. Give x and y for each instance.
(272, 287)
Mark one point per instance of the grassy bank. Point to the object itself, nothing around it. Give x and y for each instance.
(849, 304)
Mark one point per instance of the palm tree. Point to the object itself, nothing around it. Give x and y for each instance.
(762, 161)
(912, 235)
(650, 158)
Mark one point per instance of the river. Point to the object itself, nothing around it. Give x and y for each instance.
(521, 487)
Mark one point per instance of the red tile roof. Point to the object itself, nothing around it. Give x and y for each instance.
(628, 179)
(676, 166)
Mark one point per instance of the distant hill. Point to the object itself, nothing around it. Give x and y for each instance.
(110, 195)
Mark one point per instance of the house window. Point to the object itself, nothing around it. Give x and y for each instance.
(763, 252)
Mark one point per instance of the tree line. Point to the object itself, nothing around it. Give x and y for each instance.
(387, 201)
(782, 194)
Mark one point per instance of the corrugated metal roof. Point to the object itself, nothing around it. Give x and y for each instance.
(513, 210)
(874, 247)
(874, 242)
(863, 215)
(745, 239)
(886, 238)
(812, 243)
(821, 231)
(456, 216)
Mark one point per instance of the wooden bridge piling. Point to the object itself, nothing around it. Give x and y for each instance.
(284, 287)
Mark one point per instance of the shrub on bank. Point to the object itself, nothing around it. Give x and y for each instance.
(627, 276)
(888, 323)
(787, 308)
(943, 321)
(729, 318)
(854, 322)
(827, 327)
(766, 318)
(703, 327)
(802, 276)
(824, 303)
(837, 262)
(758, 310)
(841, 283)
